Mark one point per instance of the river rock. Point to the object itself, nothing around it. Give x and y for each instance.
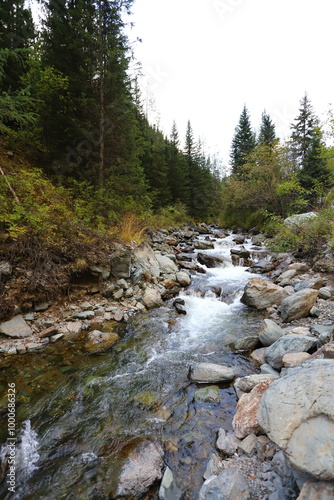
(34, 347)
(240, 252)
(227, 442)
(141, 470)
(169, 489)
(245, 420)
(260, 293)
(315, 283)
(317, 490)
(300, 267)
(297, 413)
(249, 445)
(183, 278)
(298, 305)
(210, 260)
(121, 264)
(208, 394)
(298, 220)
(16, 328)
(287, 344)
(258, 355)
(152, 298)
(143, 257)
(71, 329)
(204, 245)
(210, 372)
(230, 484)
(325, 292)
(246, 384)
(100, 341)
(269, 332)
(166, 264)
(295, 358)
(213, 468)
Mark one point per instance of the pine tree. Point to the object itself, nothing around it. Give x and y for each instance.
(267, 134)
(307, 147)
(178, 173)
(243, 143)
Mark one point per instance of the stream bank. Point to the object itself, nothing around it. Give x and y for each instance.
(86, 417)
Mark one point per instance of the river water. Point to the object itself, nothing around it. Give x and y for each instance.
(77, 414)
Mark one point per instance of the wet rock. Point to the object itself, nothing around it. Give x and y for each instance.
(204, 245)
(179, 307)
(34, 347)
(55, 338)
(230, 484)
(269, 332)
(295, 358)
(210, 260)
(141, 470)
(121, 264)
(263, 266)
(16, 328)
(210, 372)
(166, 264)
(258, 355)
(288, 344)
(240, 252)
(247, 343)
(245, 421)
(246, 384)
(239, 239)
(169, 489)
(144, 258)
(304, 425)
(227, 442)
(298, 305)
(258, 239)
(208, 394)
(214, 466)
(152, 298)
(183, 278)
(100, 341)
(317, 490)
(260, 293)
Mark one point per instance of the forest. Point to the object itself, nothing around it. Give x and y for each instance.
(79, 157)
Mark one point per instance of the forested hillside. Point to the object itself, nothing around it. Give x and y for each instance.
(93, 162)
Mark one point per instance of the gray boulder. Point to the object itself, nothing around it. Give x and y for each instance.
(210, 260)
(297, 413)
(152, 298)
(166, 264)
(210, 372)
(121, 264)
(298, 305)
(142, 468)
(287, 344)
(227, 442)
(317, 490)
(144, 258)
(260, 293)
(183, 278)
(246, 384)
(269, 332)
(298, 220)
(230, 484)
(16, 328)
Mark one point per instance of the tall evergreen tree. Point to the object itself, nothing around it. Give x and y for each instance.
(243, 142)
(307, 151)
(178, 173)
(267, 134)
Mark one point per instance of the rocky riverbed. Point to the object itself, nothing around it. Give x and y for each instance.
(279, 444)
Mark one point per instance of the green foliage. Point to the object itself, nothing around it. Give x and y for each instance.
(267, 134)
(243, 143)
(15, 111)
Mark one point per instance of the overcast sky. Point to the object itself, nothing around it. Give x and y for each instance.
(204, 59)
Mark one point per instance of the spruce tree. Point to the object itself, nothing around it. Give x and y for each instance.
(303, 131)
(243, 143)
(267, 134)
(178, 173)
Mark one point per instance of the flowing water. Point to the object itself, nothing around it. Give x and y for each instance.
(77, 414)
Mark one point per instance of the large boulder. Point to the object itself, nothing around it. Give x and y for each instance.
(317, 490)
(269, 332)
(210, 372)
(297, 413)
(298, 305)
(246, 384)
(16, 328)
(245, 420)
(152, 298)
(141, 470)
(260, 293)
(166, 264)
(210, 260)
(298, 220)
(144, 258)
(287, 344)
(230, 484)
(121, 264)
(100, 341)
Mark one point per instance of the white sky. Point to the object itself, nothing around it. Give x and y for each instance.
(204, 59)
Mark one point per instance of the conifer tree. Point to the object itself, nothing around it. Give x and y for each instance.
(303, 130)
(267, 134)
(243, 143)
